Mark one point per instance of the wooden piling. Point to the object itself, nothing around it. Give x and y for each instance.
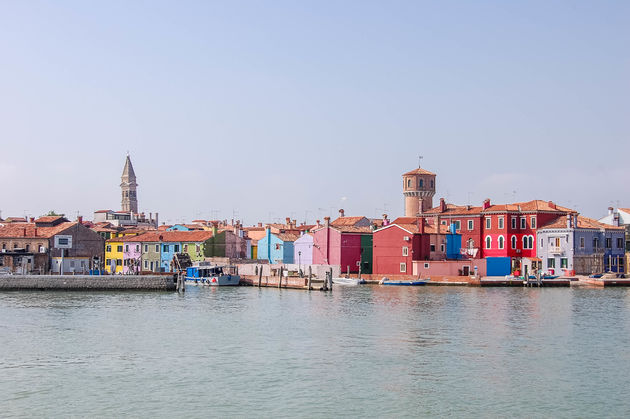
(260, 277)
(280, 278)
(331, 277)
(310, 274)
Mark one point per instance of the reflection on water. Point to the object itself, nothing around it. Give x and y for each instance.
(358, 351)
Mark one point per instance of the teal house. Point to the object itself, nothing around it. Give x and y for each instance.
(277, 248)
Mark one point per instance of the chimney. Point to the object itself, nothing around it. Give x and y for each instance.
(341, 212)
(442, 205)
(575, 220)
(288, 222)
(552, 205)
(214, 228)
(318, 224)
(80, 219)
(616, 219)
(32, 219)
(156, 220)
(327, 221)
(420, 223)
(259, 224)
(569, 221)
(610, 210)
(294, 224)
(385, 220)
(436, 222)
(486, 204)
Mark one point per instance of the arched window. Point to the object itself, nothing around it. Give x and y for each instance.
(421, 183)
(530, 242)
(501, 242)
(524, 242)
(488, 242)
(513, 242)
(408, 183)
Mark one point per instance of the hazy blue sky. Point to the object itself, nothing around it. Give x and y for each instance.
(274, 109)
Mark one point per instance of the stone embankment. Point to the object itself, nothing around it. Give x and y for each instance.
(88, 282)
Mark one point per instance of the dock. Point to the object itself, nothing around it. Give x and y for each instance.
(88, 282)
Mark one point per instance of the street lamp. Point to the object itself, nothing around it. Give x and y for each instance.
(300, 260)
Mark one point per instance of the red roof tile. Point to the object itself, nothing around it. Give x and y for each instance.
(347, 221)
(419, 171)
(30, 230)
(583, 222)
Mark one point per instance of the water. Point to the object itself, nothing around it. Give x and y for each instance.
(366, 351)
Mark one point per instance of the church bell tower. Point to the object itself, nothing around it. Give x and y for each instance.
(418, 189)
(128, 186)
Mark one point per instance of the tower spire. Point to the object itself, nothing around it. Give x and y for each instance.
(128, 187)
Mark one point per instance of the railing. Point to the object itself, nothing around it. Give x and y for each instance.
(556, 250)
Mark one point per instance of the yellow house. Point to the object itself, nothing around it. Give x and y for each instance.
(113, 256)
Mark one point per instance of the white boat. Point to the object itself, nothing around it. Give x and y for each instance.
(211, 275)
(348, 281)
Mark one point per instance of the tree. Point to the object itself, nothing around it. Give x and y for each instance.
(52, 213)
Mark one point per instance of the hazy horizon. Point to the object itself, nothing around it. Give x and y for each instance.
(264, 110)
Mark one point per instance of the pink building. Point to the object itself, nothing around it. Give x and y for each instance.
(132, 255)
(345, 246)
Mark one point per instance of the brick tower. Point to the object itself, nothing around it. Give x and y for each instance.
(418, 189)
(128, 185)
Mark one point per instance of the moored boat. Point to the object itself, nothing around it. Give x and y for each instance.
(212, 275)
(417, 282)
(348, 281)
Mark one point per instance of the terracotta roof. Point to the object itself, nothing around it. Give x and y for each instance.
(353, 229)
(346, 221)
(29, 230)
(454, 210)
(411, 224)
(15, 220)
(535, 205)
(624, 210)
(419, 171)
(167, 236)
(287, 237)
(102, 211)
(583, 222)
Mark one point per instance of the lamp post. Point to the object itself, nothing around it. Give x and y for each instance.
(299, 260)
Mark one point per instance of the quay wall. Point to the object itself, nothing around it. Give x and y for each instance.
(88, 282)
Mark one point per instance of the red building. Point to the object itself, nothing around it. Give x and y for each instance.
(348, 246)
(499, 231)
(407, 239)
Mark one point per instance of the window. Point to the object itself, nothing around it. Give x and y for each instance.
(458, 224)
(564, 263)
(408, 183)
(421, 183)
(523, 222)
(542, 242)
(118, 262)
(165, 247)
(442, 248)
(488, 222)
(119, 248)
(146, 248)
(137, 247)
(432, 183)
(532, 221)
(146, 264)
(28, 248)
(403, 267)
(525, 242)
(185, 248)
(471, 224)
(488, 242)
(530, 242)
(198, 248)
(108, 248)
(157, 248)
(501, 242)
(72, 264)
(426, 266)
(619, 243)
(126, 248)
(513, 240)
(41, 249)
(608, 243)
(551, 263)
(432, 247)
(581, 242)
(501, 226)
(176, 248)
(405, 251)
(4, 245)
(513, 223)
(108, 262)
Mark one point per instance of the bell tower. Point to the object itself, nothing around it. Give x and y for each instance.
(128, 186)
(418, 189)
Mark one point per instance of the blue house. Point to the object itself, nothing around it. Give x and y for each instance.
(580, 245)
(277, 248)
(168, 251)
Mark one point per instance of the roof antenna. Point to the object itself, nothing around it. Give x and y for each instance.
(419, 160)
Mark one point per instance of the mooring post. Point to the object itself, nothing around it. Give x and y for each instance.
(280, 279)
(259, 276)
(331, 277)
(359, 270)
(310, 272)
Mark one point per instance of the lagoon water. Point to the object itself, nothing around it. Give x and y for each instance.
(368, 351)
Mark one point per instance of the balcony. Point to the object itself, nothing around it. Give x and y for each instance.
(556, 250)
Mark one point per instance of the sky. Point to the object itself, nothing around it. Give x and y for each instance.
(261, 110)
